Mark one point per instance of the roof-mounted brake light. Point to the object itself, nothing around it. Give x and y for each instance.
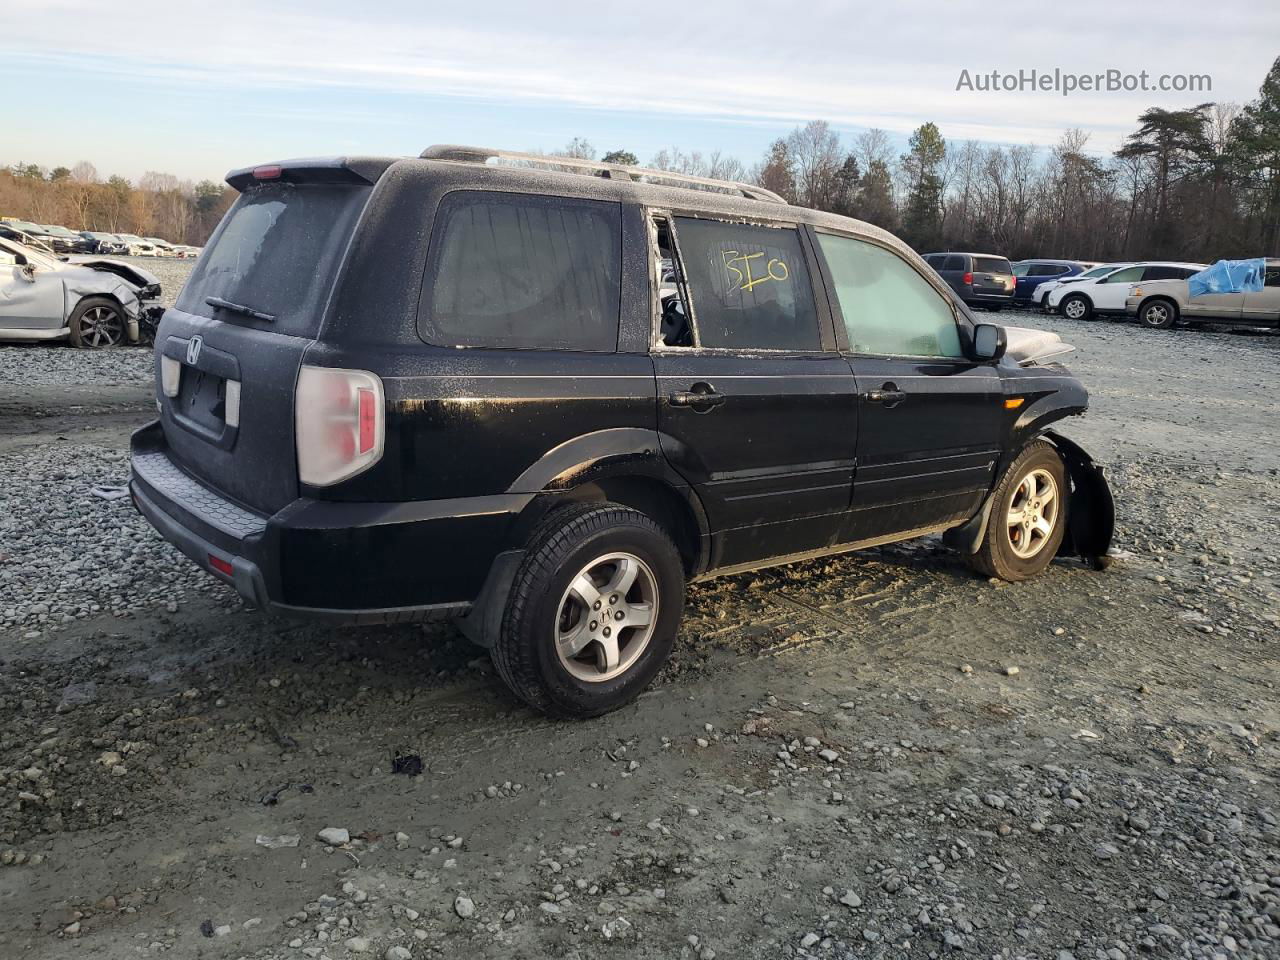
(271, 171)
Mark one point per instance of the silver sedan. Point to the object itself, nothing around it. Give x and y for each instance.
(90, 301)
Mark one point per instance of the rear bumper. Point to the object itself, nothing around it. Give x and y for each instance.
(347, 562)
(989, 297)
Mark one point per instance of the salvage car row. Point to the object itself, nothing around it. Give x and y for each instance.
(58, 240)
(1153, 291)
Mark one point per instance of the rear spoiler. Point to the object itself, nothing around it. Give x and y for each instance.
(312, 170)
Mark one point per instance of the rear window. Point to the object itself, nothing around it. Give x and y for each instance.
(524, 272)
(991, 265)
(276, 252)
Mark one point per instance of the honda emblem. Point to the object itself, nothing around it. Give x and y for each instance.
(193, 350)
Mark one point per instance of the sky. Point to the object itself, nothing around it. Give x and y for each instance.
(198, 89)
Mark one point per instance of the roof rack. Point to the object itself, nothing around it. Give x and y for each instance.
(613, 171)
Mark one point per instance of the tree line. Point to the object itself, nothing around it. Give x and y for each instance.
(158, 205)
(1199, 183)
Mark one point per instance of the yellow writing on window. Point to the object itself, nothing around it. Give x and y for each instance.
(740, 269)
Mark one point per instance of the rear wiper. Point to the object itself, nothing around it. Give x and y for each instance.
(221, 304)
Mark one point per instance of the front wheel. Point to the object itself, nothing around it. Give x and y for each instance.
(97, 322)
(1158, 314)
(1076, 307)
(1028, 516)
(593, 611)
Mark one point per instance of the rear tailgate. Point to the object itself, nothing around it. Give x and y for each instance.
(993, 275)
(227, 355)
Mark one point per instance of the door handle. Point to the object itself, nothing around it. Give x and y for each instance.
(888, 394)
(701, 397)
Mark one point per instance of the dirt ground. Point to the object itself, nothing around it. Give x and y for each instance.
(881, 755)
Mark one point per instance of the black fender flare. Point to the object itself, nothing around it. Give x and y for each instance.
(584, 467)
(1091, 511)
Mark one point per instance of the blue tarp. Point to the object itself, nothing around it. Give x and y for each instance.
(1229, 276)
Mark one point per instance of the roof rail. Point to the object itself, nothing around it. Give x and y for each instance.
(614, 171)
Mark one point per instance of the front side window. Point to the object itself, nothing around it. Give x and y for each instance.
(888, 308)
(524, 273)
(749, 286)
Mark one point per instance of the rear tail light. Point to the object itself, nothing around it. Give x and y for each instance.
(170, 376)
(967, 278)
(339, 424)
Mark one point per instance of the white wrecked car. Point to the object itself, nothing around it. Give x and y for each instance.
(90, 301)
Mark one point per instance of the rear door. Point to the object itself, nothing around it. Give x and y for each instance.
(756, 408)
(237, 335)
(929, 419)
(1264, 306)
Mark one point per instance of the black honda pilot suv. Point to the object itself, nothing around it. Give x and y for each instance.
(541, 401)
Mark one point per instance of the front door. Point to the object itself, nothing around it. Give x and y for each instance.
(1264, 305)
(756, 408)
(930, 420)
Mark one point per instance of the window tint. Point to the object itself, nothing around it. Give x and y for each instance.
(888, 308)
(749, 286)
(1272, 276)
(1127, 275)
(1048, 270)
(1025, 269)
(1166, 273)
(524, 272)
(276, 251)
(991, 265)
(954, 262)
(935, 260)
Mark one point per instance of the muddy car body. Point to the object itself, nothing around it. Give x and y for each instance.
(90, 301)
(497, 409)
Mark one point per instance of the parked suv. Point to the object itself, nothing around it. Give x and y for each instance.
(1161, 304)
(1031, 274)
(400, 389)
(1106, 294)
(980, 279)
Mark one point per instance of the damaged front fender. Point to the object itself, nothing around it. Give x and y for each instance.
(1091, 510)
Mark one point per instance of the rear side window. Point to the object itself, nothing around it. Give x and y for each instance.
(749, 286)
(888, 308)
(991, 265)
(954, 262)
(523, 272)
(1166, 273)
(1048, 270)
(276, 252)
(1127, 275)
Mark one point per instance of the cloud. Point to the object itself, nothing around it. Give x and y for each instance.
(890, 66)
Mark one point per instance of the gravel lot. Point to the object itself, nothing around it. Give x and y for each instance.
(880, 755)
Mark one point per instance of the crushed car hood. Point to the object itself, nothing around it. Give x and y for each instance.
(1027, 346)
(127, 271)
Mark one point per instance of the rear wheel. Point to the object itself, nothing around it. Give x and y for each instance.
(1028, 516)
(97, 322)
(1158, 314)
(1076, 307)
(593, 611)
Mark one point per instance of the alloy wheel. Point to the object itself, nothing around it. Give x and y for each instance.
(1033, 512)
(606, 617)
(101, 327)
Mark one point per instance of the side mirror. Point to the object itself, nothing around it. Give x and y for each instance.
(988, 341)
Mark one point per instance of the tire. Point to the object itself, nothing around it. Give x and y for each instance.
(551, 610)
(97, 322)
(1158, 314)
(1016, 551)
(1076, 307)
